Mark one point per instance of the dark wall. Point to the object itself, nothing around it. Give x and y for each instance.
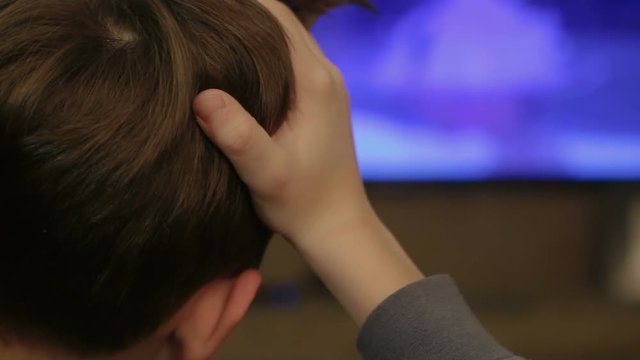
(502, 240)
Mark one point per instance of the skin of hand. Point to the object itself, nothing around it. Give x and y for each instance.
(305, 181)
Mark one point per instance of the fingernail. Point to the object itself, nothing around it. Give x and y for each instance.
(208, 104)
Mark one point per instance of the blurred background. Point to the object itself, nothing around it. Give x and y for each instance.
(500, 140)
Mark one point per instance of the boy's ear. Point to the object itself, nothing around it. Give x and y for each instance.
(212, 313)
(308, 11)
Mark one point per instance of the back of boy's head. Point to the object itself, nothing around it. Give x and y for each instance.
(114, 207)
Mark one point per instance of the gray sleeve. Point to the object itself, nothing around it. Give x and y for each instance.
(427, 320)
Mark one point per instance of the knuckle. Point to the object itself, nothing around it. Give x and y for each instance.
(239, 138)
(338, 77)
(335, 71)
(278, 179)
(322, 79)
(327, 80)
(338, 74)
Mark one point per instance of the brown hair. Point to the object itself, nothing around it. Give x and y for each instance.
(114, 207)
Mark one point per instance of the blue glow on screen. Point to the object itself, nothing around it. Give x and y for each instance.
(492, 89)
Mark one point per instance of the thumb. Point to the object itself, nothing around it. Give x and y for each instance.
(256, 157)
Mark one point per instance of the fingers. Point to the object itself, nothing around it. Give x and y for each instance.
(286, 17)
(315, 74)
(303, 45)
(256, 157)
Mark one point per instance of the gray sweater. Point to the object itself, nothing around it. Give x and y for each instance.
(427, 320)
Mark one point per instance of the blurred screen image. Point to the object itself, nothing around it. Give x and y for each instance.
(474, 90)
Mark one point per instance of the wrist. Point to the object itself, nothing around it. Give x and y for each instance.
(338, 220)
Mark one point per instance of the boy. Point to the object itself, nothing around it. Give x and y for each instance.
(126, 235)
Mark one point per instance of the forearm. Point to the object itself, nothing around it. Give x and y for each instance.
(360, 261)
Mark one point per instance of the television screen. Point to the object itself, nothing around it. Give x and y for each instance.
(468, 90)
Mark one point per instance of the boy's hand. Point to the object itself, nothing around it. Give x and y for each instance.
(305, 179)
